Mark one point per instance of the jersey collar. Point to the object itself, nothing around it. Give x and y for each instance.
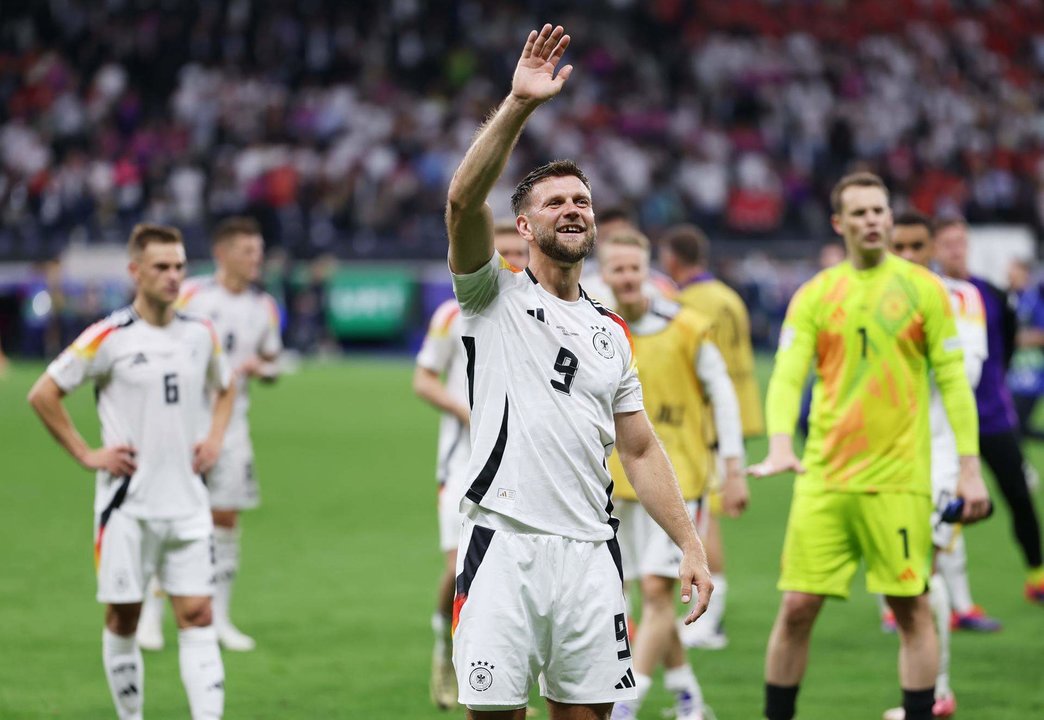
(700, 277)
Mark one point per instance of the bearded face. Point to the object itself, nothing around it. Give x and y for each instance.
(571, 243)
(561, 219)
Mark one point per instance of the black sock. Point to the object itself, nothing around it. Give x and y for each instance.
(780, 701)
(918, 703)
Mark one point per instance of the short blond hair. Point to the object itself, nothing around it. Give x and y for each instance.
(856, 179)
(145, 233)
(627, 238)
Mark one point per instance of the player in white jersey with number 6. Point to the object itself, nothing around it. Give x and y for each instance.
(439, 379)
(552, 388)
(151, 368)
(246, 320)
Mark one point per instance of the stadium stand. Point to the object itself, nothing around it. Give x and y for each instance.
(336, 124)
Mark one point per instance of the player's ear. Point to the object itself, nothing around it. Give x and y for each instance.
(835, 222)
(522, 225)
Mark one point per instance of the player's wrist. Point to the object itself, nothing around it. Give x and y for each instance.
(521, 105)
(85, 456)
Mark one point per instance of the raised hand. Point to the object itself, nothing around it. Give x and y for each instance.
(535, 78)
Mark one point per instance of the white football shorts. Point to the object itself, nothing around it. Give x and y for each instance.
(450, 517)
(231, 482)
(644, 546)
(128, 551)
(535, 606)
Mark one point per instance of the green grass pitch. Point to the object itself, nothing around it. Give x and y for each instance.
(340, 563)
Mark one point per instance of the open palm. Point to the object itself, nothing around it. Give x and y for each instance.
(535, 77)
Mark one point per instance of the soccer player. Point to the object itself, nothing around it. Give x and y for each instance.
(998, 436)
(150, 367)
(552, 388)
(685, 256)
(438, 378)
(247, 323)
(682, 371)
(912, 241)
(876, 326)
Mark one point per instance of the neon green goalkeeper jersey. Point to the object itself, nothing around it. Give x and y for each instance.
(875, 335)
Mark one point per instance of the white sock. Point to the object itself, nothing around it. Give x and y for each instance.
(125, 671)
(683, 680)
(153, 604)
(882, 605)
(202, 672)
(642, 684)
(716, 609)
(226, 566)
(953, 566)
(940, 602)
(440, 625)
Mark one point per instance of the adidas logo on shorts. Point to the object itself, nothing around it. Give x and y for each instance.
(627, 681)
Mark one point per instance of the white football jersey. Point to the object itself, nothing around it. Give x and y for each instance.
(443, 352)
(545, 378)
(247, 324)
(970, 318)
(152, 386)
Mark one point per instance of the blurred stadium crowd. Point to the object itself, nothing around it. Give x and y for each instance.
(337, 124)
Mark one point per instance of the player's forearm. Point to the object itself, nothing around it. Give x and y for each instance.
(428, 387)
(485, 159)
(969, 464)
(782, 403)
(45, 399)
(657, 488)
(959, 403)
(469, 220)
(221, 414)
(781, 444)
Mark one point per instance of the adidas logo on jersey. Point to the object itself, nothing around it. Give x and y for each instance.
(538, 313)
(627, 681)
(139, 359)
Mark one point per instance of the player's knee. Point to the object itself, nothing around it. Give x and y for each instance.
(122, 619)
(197, 614)
(225, 518)
(912, 614)
(799, 611)
(657, 593)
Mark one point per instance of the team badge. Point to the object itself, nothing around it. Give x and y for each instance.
(481, 678)
(603, 345)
